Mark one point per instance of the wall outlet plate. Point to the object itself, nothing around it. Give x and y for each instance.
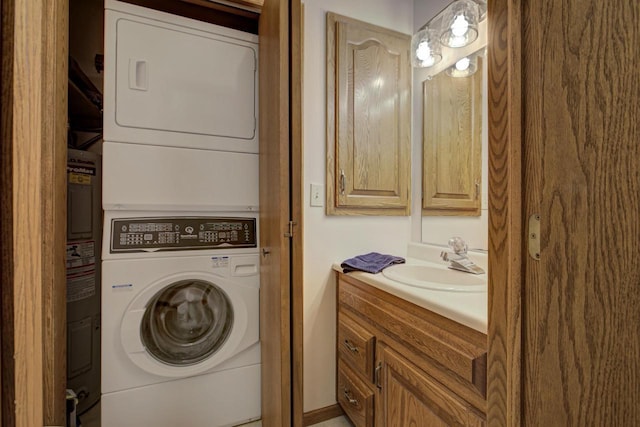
(316, 195)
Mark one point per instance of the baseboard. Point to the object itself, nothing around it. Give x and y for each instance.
(323, 414)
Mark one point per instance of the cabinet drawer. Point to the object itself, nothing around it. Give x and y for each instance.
(356, 345)
(355, 397)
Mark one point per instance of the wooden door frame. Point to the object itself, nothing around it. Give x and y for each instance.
(33, 194)
(297, 198)
(506, 242)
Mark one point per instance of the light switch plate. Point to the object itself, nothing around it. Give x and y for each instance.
(316, 195)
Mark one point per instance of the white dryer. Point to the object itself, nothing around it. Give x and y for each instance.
(180, 320)
(174, 81)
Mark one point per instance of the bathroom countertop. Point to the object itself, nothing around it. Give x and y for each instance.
(466, 308)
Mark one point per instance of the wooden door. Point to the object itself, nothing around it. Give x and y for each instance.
(452, 144)
(368, 118)
(581, 300)
(275, 214)
(33, 215)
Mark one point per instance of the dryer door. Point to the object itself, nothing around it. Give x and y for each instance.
(186, 322)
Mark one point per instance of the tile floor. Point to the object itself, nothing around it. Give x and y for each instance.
(91, 418)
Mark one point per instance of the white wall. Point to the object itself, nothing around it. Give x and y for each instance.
(333, 239)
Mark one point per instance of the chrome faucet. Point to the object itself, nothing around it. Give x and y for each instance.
(458, 259)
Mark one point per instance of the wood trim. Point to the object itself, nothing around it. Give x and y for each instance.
(297, 214)
(54, 193)
(23, 25)
(206, 11)
(275, 211)
(4, 206)
(250, 5)
(505, 221)
(322, 414)
(7, 391)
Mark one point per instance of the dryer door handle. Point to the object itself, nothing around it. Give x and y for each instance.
(138, 76)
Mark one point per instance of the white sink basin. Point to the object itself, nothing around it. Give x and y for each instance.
(432, 277)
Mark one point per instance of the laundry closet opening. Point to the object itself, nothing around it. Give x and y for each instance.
(163, 264)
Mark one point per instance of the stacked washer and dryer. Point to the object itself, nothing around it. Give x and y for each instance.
(180, 262)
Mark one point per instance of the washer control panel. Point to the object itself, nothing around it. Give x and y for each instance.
(181, 233)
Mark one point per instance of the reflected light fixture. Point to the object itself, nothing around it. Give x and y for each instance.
(460, 23)
(425, 48)
(464, 67)
(454, 27)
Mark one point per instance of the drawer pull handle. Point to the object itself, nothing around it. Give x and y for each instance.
(349, 397)
(352, 348)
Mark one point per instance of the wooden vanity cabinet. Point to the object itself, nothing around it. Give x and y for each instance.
(400, 364)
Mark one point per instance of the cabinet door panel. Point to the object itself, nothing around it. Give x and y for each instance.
(410, 397)
(452, 144)
(368, 127)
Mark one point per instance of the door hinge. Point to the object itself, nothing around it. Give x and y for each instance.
(534, 237)
(289, 233)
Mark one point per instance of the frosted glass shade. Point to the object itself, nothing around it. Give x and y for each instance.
(425, 48)
(460, 23)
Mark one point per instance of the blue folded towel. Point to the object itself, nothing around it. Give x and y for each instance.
(372, 262)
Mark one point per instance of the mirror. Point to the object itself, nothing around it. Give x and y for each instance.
(450, 134)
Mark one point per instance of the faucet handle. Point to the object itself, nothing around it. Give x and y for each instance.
(458, 245)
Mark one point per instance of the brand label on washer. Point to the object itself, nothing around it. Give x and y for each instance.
(220, 261)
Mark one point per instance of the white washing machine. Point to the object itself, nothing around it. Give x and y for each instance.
(180, 320)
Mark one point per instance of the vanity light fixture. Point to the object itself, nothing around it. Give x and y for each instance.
(460, 24)
(464, 67)
(454, 27)
(426, 48)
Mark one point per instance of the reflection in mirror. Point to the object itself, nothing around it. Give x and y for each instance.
(451, 143)
(461, 63)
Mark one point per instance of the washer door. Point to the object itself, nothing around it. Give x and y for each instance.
(186, 322)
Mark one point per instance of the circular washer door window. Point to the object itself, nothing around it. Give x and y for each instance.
(186, 322)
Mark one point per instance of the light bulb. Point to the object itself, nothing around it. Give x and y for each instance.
(460, 26)
(423, 52)
(463, 64)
